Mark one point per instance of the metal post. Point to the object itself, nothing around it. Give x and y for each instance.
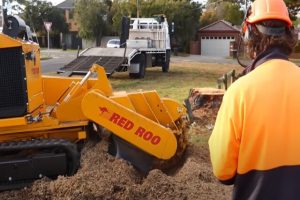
(48, 40)
(225, 81)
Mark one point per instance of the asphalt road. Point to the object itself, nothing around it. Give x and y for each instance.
(56, 59)
(59, 58)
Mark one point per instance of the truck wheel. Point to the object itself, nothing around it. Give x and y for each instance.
(140, 60)
(166, 62)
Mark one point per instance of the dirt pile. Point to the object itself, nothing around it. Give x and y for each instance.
(102, 176)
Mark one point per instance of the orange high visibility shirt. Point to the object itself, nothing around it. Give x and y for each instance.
(257, 131)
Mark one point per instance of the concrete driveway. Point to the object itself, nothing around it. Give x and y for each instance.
(204, 59)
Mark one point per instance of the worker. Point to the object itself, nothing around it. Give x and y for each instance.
(255, 143)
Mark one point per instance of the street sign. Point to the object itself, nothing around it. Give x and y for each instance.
(48, 28)
(48, 25)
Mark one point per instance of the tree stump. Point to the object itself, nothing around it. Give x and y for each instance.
(205, 102)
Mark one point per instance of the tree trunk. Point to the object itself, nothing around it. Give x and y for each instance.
(98, 39)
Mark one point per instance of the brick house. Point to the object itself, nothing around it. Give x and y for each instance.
(71, 39)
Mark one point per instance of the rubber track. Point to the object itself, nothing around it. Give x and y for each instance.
(73, 156)
(68, 147)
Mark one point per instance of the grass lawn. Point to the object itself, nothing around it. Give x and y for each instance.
(177, 83)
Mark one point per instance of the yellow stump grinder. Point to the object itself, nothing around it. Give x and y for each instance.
(44, 118)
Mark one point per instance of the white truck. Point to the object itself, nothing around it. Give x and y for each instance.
(147, 45)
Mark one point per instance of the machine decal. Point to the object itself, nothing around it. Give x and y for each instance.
(103, 110)
(121, 121)
(148, 135)
(35, 70)
(129, 125)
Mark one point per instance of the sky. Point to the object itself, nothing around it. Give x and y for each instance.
(55, 2)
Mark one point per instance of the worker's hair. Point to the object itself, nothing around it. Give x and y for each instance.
(259, 42)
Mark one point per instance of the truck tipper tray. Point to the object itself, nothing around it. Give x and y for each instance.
(109, 58)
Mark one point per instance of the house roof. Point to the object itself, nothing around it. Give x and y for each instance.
(220, 25)
(67, 4)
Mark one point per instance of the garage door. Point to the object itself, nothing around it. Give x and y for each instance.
(216, 46)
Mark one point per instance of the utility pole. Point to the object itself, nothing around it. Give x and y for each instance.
(137, 9)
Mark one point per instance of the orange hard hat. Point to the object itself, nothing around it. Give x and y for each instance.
(267, 10)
